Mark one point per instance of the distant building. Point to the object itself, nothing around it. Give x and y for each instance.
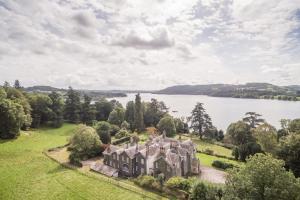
(158, 155)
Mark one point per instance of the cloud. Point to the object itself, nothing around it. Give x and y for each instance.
(116, 44)
(157, 38)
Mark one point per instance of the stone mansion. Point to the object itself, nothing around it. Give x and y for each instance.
(158, 155)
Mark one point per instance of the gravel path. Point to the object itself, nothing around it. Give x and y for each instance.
(212, 175)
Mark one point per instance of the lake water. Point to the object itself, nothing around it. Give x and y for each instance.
(223, 111)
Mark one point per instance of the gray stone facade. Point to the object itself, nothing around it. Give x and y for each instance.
(159, 155)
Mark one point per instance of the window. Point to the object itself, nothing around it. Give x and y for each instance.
(142, 161)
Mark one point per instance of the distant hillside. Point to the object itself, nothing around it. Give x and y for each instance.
(95, 94)
(248, 90)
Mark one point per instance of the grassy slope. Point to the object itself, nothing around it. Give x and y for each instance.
(207, 160)
(26, 173)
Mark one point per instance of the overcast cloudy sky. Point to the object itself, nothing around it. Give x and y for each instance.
(149, 44)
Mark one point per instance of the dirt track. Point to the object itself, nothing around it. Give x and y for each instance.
(212, 175)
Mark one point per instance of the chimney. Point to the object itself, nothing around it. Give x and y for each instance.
(136, 147)
(147, 150)
(108, 148)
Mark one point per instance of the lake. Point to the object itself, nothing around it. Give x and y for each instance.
(223, 111)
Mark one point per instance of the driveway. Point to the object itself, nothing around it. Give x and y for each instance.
(212, 175)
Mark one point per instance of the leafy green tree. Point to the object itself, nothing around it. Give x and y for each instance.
(262, 178)
(125, 125)
(6, 85)
(266, 136)
(129, 114)
(289, 151)
(115, 104)
(84, 144)
(294, 126)
(117, 116)
(17, 84)
(155, 110)
(19, 97)
(239, 133)
(41, 111)
(138, 114)
(88, 111)
(179, 125)
(103, 130)
(166, 124)
(72, 106)
(253, 119)
(114, 129)
(11, 117)
(103, 109)
(202, 191)
(57, 108)
(200, 120)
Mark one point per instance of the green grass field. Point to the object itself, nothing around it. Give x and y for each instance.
(26, 173)
(207, 160)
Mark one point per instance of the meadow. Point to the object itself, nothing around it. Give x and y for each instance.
(26, 173)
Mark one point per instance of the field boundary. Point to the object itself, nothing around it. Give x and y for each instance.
(132, 188)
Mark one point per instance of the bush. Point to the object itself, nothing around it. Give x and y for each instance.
(120, 141)
(209, 152)
(122, 133)
(114, 129)
(202, 191)
(178, 183)
(145, 181)
(222, 165)
(103, 129)
(84, 144)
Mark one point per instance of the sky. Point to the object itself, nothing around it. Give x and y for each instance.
(150, 44)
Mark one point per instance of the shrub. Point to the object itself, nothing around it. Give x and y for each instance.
(114, 129)
(120, 141)
(178, 183)
(209, 152)
(145, 181)
(122, 133)
(84, 144)
(103, 129)
(222, 165)
(204, 191)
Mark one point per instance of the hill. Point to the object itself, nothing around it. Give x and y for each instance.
(248, 90)
(95, 94)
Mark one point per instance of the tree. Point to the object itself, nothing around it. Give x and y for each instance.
(129, 114)
(262, 178)
(103, 130)
(239, 133)
(179, 125)
(72, 106)
(103, 109)
(84, 144)
(57, 108)
(266, 136)
(252, 118)
(155, 110)
(289, 151)
(19, 97)
(41, 111)
(202, 191)
(125, 125)
(6, 85)
(294, 126)
(167, 124)
(138, 114)
(17, 84)
(11, 119)
(117, 116)
(88, 111)
(200, 120)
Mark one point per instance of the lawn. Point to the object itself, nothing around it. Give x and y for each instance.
(26, 173)
(202, 145)
(207, 160)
